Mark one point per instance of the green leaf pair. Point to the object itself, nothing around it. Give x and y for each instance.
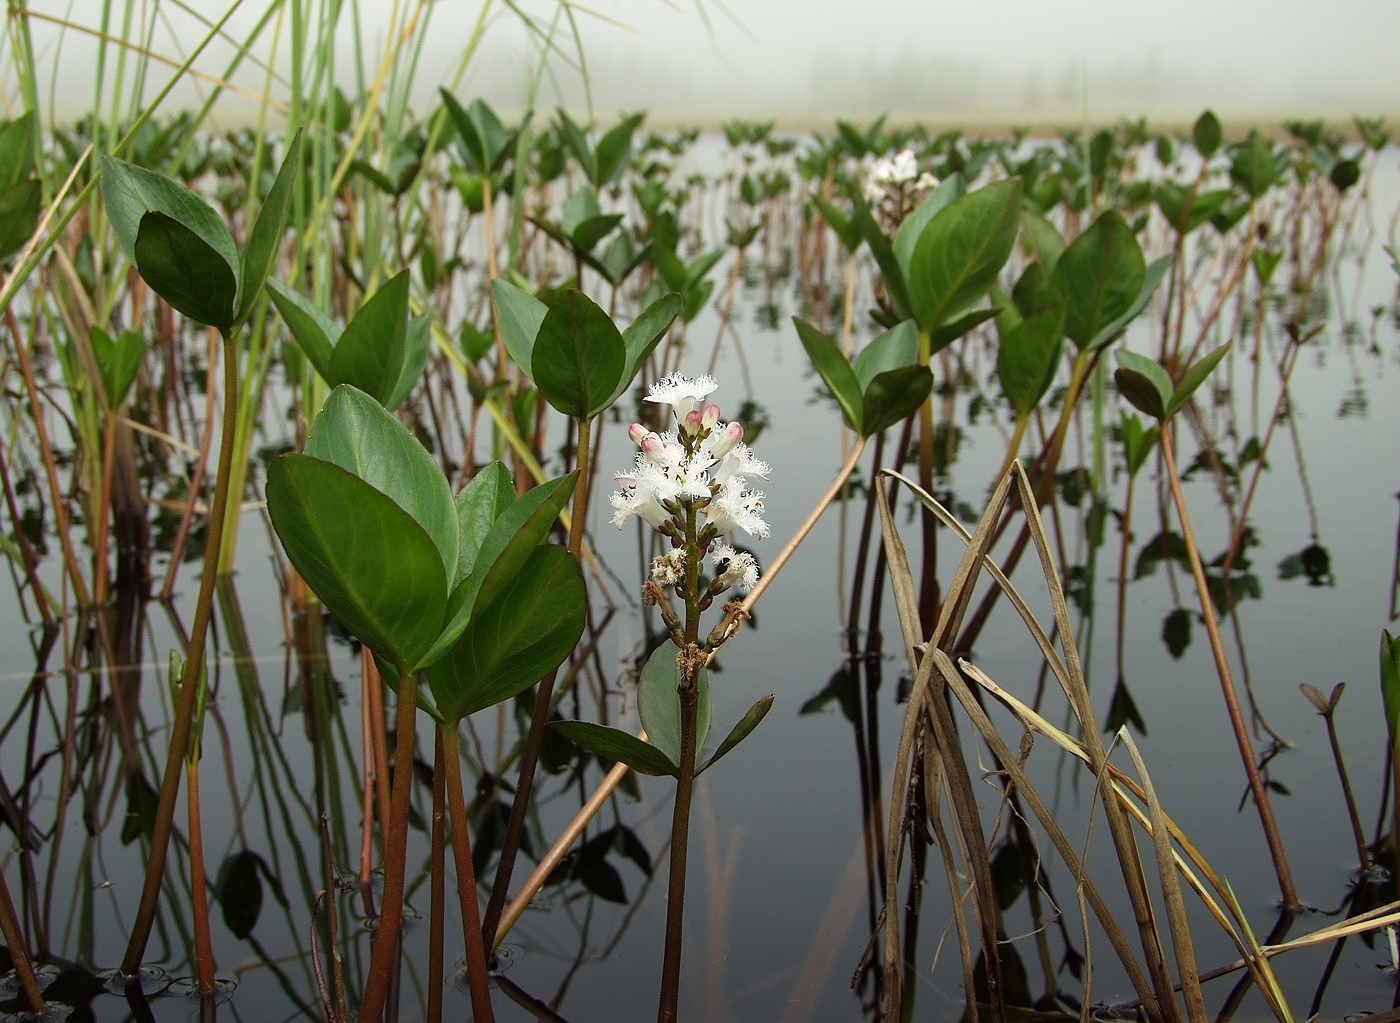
(658, 703)
(184, 251)
(604, 163)
(1149, 387)
(460, 586)
(381, 351)
(572, 350)
(886, 382)
(485, 141)
(118, 361)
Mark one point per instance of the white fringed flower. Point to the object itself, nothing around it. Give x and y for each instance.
(737, 569)
(682, 393)
(703, 461)
(895, 173)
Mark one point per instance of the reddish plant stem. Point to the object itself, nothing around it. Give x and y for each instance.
(680, 840)
(478, 977)
(1227, 684)
(199, 896)
(544, 698)
(437, 884)
(194, 662)
(386, 934)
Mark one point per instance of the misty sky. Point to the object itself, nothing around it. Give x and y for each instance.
(1015, 61)
(993, 57)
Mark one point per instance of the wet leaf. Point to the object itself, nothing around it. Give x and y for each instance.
(240, 892)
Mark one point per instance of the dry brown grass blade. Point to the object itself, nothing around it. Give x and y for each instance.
(906, 602)
(1170, 886)
(1188, 860)
(1045, 817)
(1071, 678)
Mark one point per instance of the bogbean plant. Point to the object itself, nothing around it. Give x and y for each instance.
(461, 598)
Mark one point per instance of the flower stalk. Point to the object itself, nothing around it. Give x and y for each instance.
(691, 485)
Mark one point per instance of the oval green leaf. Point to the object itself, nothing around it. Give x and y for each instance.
(185, 270)
(313, 331)
(356, 433)
(1100, 275)
(1144, 383)
(615, 744)
(130, 192)
(1028, 356)
(961, 251)
(376, 570)
(741, 730)
(834, 370)
(892, 395)
(370, 353)
(511, 644)
(579, 356)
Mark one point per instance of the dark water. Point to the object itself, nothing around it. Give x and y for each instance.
(779, 907)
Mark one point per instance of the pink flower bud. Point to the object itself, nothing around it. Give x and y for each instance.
(692, 422)
(728, 439)
(636, 432)
(710, 416)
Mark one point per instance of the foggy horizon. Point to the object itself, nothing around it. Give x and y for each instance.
(1002, 63)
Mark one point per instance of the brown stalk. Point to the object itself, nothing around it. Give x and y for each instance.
(385, 946)
(1227, 685)
(60, 508)
(199, 894)
(194, 663)
(19, 951)
(478, 977)
(437, 882)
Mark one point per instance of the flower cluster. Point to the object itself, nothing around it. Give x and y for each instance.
(896, 175)
(692, 484)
